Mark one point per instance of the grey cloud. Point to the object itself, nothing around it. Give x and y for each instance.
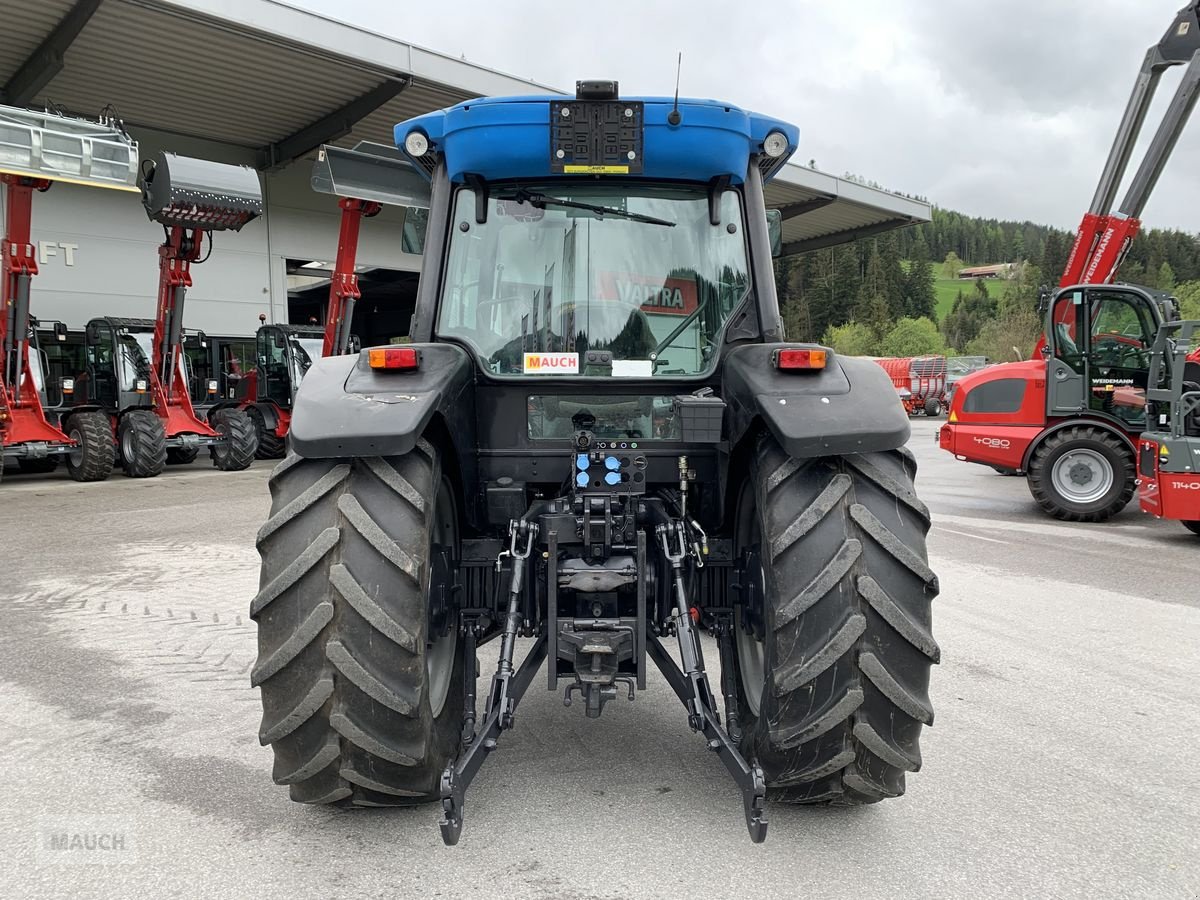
(999, 109)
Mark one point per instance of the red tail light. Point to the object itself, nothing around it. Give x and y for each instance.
(794, 358)
(402, 358)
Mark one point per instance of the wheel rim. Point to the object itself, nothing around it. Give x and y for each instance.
(1083, 476)
(751, 650)
(752, 663)
(224, 448)
(75, 455)
(441, 649)
(128, 444)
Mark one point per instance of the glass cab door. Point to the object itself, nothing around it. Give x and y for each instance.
(274, 377)
(1099, 353)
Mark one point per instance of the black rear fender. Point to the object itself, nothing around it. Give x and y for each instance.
(346, 408)
(850, 406)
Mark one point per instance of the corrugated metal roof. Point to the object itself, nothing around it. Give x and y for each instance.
(25, 26)
(254, 72)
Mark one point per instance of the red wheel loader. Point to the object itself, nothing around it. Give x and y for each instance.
(39, 149)
(1070, 418)
(191, 199)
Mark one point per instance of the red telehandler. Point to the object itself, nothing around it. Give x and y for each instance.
(1169, 455)
(1070, 418)
(36, 150)
(365, 180)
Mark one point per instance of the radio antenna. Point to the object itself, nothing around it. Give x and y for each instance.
(673, 117)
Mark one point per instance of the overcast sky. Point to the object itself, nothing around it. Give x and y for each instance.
(996, 109)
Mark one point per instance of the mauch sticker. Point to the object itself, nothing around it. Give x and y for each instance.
(551, 364)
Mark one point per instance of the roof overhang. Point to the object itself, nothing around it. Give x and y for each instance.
(278, 82)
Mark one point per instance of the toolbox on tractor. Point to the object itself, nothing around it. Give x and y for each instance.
(597, 440)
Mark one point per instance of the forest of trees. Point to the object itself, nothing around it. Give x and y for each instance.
(877, 296)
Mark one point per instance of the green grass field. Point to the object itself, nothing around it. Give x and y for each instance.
(946, 289)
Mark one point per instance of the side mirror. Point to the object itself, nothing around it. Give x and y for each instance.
(775, 232)
(92, 334)
(60, 331)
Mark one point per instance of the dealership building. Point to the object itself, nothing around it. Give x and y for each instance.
(277, 82)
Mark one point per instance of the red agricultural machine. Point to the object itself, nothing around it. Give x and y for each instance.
(1169, 455)
(920, 382)
(1070, 419)
(365, 180)
(36, 150)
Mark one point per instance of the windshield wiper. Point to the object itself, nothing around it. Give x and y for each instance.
(541, 201)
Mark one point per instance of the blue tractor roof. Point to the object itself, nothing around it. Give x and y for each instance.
(502, 138)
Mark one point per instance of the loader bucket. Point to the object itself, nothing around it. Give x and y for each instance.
(199, 193)
(62, 148)
(370, 172)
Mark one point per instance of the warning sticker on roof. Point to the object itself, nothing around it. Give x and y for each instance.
(551, 364)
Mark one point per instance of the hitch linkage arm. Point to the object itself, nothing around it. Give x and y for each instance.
(508, 687)
(692, 687)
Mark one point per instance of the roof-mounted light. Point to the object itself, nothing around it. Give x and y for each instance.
(416, 144)
(775, 144)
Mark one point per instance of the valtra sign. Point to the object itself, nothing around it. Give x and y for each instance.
(665, 296)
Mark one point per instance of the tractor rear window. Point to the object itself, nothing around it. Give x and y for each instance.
(597, 279)
(625, 418)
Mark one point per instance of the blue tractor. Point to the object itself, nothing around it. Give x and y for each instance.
(597, 439)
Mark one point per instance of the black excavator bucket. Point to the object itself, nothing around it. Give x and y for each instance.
(197, 193)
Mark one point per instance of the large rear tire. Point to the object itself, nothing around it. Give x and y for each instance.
(238, 449)
(92, 457)
(142, 439)
(1082, 474)
(933, 407)
(833, 645)
(360, 705)
(270, 445)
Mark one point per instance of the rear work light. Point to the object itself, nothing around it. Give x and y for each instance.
(797, 359)
(396, 358)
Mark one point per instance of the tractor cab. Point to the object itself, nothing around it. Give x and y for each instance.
(1098, 341)
(284, 354)
(116, 366)
(54, 355)
(217, 366)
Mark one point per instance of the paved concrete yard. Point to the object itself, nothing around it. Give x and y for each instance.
(1061, 764)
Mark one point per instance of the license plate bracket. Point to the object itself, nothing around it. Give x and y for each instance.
(596, 137)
